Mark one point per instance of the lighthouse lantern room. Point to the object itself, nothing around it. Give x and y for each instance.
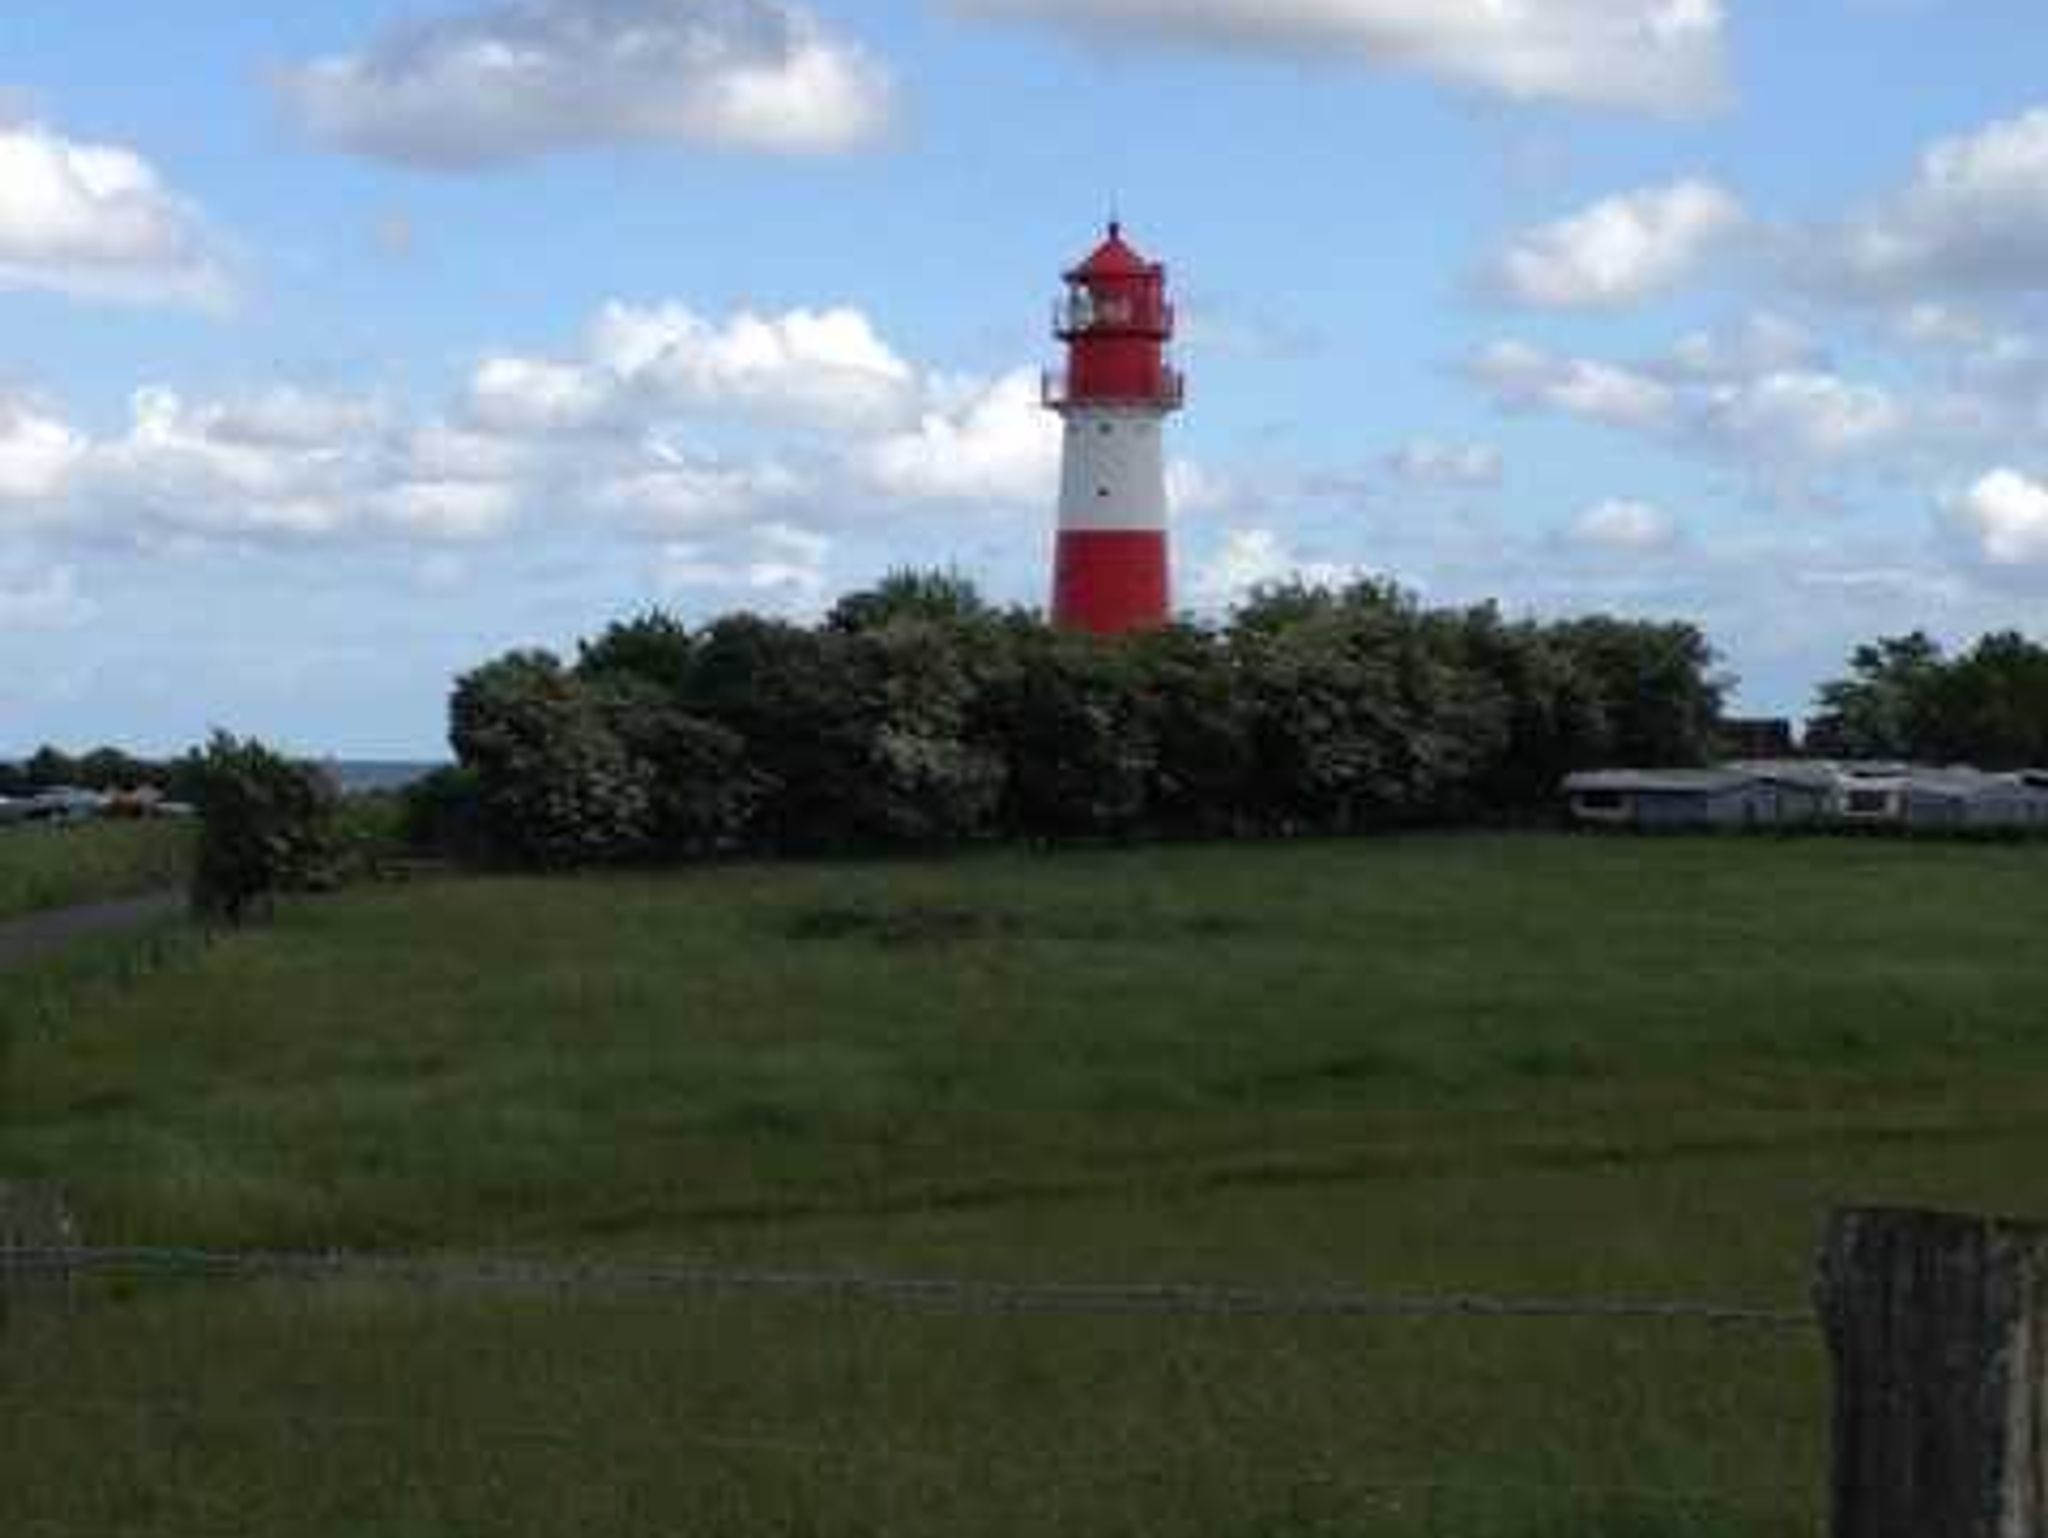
(1111, 567)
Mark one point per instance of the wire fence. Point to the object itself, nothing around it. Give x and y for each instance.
(276, 1422)
(944, 1294)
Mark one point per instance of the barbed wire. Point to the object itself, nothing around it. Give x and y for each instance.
(930, 1294)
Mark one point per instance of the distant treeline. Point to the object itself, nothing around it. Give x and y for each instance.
(105, 769)
(1905, 699)
(917, 715)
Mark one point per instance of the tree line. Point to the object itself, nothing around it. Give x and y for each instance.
(102, 768)
(916, 715)
(1905, 698)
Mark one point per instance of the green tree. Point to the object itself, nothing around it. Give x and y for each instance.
(943, 598)
(1658, 692)
(267, 826)
(1988, 707)
(1883, 708)
(555, 785)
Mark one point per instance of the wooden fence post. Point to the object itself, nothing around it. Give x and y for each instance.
(1938, 1326)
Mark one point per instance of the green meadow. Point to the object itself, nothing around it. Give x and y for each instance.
(1511, 1066)
(59, 867)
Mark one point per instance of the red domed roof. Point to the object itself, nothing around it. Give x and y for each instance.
(1113, 259)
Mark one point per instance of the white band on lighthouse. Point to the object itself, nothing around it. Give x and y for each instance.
(1113, 471)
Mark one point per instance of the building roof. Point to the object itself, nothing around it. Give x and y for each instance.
(1114, 258)
(1670, 782)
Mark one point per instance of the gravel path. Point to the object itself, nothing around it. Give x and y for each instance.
(38, 934)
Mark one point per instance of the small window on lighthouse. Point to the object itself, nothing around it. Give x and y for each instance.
(1105, 429)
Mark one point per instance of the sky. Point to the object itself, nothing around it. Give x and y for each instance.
(347, 344)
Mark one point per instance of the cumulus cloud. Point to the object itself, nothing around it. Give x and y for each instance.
(1793, 431)
(2003, 520)
(1621, 526)
(1525, 378)
(827, 367)
(678, 494)
(1664, 56)
(990, 444)
(38, 454)
(1249, 559)
(285, 464)
(97, 222)
(1804, 415)
(1623, 249)
(1974, 217)
(823, 369)
(517, 80)
(1780, 424)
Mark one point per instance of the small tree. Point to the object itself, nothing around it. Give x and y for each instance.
(267, 827)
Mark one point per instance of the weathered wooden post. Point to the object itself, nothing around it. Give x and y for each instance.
(1938, 1326)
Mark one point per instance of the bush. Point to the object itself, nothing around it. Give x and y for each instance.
(267, 826)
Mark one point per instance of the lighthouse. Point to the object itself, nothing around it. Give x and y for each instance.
(1110, 573)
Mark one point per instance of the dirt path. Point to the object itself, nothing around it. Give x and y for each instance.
(38, 934)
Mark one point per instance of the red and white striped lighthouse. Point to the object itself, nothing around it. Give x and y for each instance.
(1110, 574)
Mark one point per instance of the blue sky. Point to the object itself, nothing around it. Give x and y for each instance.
(346, 344)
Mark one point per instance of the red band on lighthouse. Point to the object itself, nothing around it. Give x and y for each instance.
(1112, 567)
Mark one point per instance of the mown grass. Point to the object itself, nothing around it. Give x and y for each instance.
(1503, 1065)
(45, 866)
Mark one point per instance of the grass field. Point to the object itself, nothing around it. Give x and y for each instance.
(56, 867)
(1511, 1066)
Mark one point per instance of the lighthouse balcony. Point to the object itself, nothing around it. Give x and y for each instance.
(1081, 314)
(1169, 393)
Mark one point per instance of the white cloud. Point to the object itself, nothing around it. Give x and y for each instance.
(1762, 343)
(826, 370)
(1974, 217)
(784, 565)
(291, 417)
(1249, 559)
(38, 454)
(1805, 415)
(96, 221)
(1623, 249)
(1521, 377)
(511, 396)
(1664, 56)
(452, 510)
(1620, 526)
(525, 78)
(991, 444)
(48, 601)
(1426, 462)
(1718, 397)
(2004, 520)
(677, 494)
(280, 464)
(827, 367)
